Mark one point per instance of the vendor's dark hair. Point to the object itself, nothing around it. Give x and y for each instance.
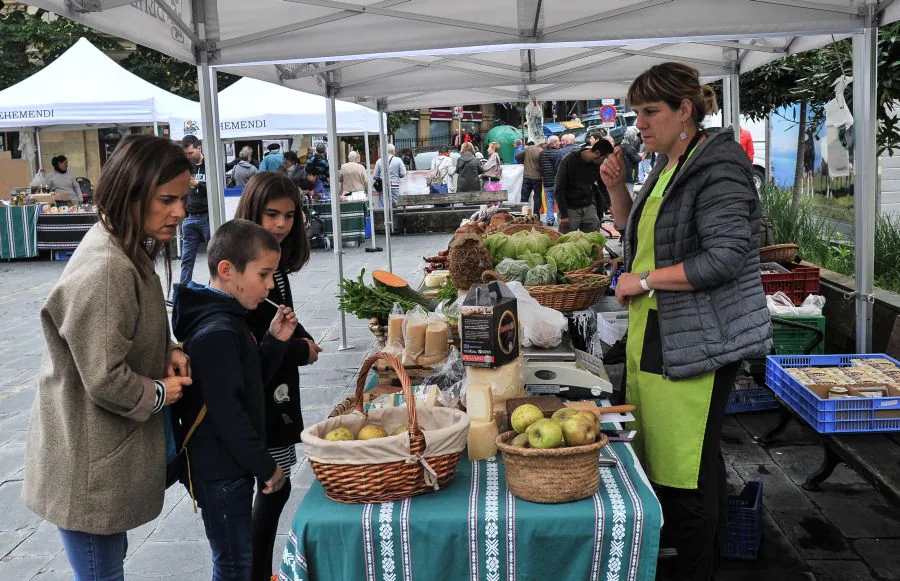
(672, 83)
(57, 160)
(291, 156)
(138, 166)
(190, 141)
(240, 242)
(264, 188)
(320, 148)
(273, 146)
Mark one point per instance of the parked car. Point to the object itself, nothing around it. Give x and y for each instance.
(423, 159)
(616, 128)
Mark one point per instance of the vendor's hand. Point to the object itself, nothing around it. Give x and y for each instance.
(314, 351)
(612, 170)
(194, 183)
(274, 483)
(628, 286)
(174, 387)
(283, 324)
(179, 363)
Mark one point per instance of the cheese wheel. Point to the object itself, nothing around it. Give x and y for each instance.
(436, 278)
(482, 440)
(479, 402)
(507, 381)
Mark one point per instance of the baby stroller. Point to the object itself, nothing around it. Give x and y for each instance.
(315, 228)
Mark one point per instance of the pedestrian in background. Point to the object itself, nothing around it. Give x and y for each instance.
(273, 158)
(195, 229)
(95, 457)
(549, 163)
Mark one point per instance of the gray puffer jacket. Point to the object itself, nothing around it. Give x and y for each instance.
(710, 222)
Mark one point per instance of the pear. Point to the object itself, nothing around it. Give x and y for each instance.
(595, 419)
(578, 430)
(520, 441)
(339, 435)
(562, 414)
(371, 431)
(400, 429)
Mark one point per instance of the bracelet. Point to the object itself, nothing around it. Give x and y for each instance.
(160, 396)
(644, 284)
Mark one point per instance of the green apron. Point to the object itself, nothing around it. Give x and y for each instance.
(671, 414)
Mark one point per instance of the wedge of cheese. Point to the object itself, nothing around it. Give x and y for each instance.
(479, 402)
(482, 440)
(506, 381)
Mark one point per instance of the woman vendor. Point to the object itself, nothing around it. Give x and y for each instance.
(696, 306)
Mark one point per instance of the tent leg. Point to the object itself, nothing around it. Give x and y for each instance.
(155, 129)
(386, 188)
(37, 143)
(212, 145)
(373, 248)
(865, 45)
(337, 237)
(734, 105)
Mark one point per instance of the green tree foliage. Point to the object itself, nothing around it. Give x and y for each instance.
(29, 42)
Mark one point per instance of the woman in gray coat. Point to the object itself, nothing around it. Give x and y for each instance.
(696, 306)
(95, 458)
(468, 170)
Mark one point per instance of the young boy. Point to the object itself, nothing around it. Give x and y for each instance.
(230, 367)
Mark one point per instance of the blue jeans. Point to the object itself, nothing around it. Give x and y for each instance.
(551, 216)
(438, 189)
(195, 230)
(95, 557)
(644, 169)
(227, 507)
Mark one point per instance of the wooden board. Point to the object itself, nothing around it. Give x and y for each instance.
(475, 198)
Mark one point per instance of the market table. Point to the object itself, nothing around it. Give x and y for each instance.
(63, 231)
(353, 220)
(18, 231)
(475, 529)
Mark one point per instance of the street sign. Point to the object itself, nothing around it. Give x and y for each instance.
(608, 113)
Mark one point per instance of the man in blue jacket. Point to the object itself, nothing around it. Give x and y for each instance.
(273, 159)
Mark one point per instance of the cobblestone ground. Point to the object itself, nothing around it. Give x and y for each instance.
(843, 532)
(172, 547)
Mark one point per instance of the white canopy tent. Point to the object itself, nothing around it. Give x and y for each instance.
(254, 108)
(406, 49)
(85, 87)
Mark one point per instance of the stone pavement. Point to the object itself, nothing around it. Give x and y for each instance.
(844, 532)
(173, 547)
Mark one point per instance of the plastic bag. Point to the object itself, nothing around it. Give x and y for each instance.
(780, 305)
(449, 379)
(541, 326)
(414, 327)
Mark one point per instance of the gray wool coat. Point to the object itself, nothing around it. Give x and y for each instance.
(709, 221)
(95, 457)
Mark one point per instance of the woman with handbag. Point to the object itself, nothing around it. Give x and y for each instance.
(95, 458)
(493, 169)
(468, 169)
(696, 307)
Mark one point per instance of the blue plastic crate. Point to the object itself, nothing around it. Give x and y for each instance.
(832, 416)
(62, 255)
(744, 531)
(751, 399)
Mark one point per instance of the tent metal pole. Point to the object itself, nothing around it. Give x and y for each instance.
(733, 81)
(37, 143)
(155, 129)
(212, 144)
(865, 46)
(386, 200)
(372, 248)
(337, 236)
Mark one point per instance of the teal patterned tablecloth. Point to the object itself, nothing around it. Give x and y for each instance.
(18, 231)
(475, 529)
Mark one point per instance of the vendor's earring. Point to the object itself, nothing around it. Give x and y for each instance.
(683, 135)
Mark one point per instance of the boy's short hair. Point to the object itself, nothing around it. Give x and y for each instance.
(240, 242)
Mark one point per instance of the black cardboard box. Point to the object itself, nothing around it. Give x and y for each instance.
(489, 326)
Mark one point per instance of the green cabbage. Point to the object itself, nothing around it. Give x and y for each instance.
(569, 256)
(539, 275)
(576, 237)
(597, 238)
(498, 245)
(531, 258)
(513, 269)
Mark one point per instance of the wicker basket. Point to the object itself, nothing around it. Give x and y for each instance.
(388, 481)
(584, 291)
(778, 253)
(597, 265)
(511, 229)
(551, 476)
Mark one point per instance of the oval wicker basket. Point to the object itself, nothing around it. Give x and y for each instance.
(388, 481)
(778, 253)
(584, 291)
(551, 476)
(595, 267)
(511, 229)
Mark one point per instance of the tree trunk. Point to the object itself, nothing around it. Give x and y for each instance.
(799, 168)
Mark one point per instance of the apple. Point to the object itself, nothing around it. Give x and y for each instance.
(371, 431)
(339, 435)
(525, 415)
(521, 441)
(546, 434)
(562, 414)
(595, 419)
(578, 430)
(400, 429)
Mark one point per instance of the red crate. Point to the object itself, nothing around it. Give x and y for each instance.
(800, 282)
